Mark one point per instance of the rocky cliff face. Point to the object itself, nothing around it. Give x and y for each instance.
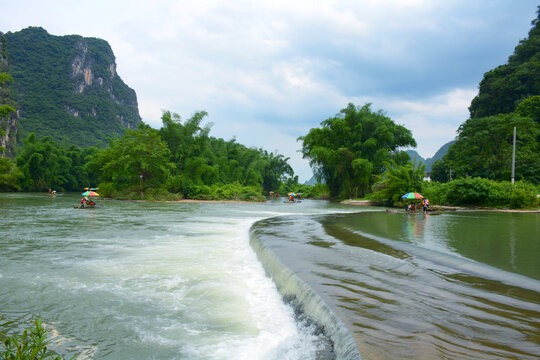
(8, 124)
(87, 73)
(67, 87)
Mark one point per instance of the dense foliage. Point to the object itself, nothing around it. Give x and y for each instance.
(50, 102)
(45, 164)
(398, 180)
(10, 175)
(483, 192)
(203, 160)
(139, 153)
(509, 96)
(484, 148)
(503, 88)
(177, 161)
(30, 345)
(351, 149)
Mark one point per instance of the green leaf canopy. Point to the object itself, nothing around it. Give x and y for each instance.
(350, 149)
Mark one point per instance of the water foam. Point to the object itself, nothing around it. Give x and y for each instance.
(306, 301)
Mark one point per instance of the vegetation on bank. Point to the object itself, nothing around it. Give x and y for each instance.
(475, 192)
(30, 345)
(352, 154)
(180, 160)
(356, 153)
(349, 151)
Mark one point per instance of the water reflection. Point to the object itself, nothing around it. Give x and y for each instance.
(406, 285)
(415, 227)
(508, 241)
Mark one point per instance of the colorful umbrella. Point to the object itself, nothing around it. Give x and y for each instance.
(412, 196)
(90, 193)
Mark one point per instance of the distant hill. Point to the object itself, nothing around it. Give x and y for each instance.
(67, 87)
(429, 161)
(415, 157)
(312, 181)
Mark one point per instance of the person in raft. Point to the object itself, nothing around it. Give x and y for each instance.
(83, 201)
(425, 204)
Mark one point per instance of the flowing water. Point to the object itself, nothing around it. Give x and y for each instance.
(136, 280)
(313, 280)
(462, 285)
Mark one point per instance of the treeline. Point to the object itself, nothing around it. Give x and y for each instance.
(484, 148)
(180, 160)
(357, 154)
(508, 98)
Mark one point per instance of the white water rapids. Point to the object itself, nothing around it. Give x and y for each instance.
(147, 280)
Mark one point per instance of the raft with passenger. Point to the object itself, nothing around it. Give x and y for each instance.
(86, 201)
(401, 211)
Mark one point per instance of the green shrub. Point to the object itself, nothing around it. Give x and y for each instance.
(31, 345)
(160, 194)
(107, 190)
(435, 192)
(469, 191)
(524, 195)
(483, 192)
(174, 184)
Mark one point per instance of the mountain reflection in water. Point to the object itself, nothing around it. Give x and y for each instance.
(457, 285)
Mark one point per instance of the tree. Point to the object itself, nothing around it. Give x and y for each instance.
(530, 107)
(276, 170)
(185, 140)
(138, 152)
(352, 148)
(10, 175)
(203, 160)
(484, 148)
(399, 180)
(45, 164)
(440, 171)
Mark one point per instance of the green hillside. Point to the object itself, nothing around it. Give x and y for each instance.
(503, 88)
(508, 99)
(67, 87)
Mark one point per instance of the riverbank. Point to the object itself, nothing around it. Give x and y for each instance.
(445, 208)
(194, 201)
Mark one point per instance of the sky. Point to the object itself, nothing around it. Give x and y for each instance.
(269, 71)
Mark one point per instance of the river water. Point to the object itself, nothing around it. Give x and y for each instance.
(313, 280)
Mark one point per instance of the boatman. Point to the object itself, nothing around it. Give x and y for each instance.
(425, 204)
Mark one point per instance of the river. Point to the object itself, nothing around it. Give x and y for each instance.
(313, 280)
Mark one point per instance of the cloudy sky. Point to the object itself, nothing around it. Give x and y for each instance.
(268, 71)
